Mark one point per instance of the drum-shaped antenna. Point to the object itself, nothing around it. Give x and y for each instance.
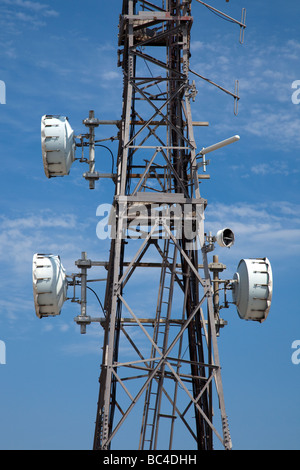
(253, 288)
(49, 285)
(58, 145)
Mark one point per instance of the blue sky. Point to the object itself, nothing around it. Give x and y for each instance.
(60, 58)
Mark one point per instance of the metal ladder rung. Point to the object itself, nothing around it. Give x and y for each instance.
(167, 416)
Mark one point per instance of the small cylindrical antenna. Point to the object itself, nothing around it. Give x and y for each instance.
(219, 145)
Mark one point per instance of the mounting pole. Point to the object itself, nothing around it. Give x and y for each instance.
(92, 175)
(83, 319)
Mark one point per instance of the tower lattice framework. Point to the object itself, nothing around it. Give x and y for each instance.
(160, 380)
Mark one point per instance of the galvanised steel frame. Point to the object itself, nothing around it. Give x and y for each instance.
(161, 370)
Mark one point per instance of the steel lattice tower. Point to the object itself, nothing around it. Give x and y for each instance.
(160, 380)
(169, 379)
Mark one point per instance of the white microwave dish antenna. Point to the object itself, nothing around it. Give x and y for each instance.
(49, 285)
(58, 145)
(253, 289)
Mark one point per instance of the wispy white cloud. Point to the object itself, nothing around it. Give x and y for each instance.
(36, 222)
(36, 7)
(281, 127)
(285, 168)
(15, 304)
(29, 19)
(87, 344)
(276, 167)
(265, 76)
(111, 75)
(261, 230)
(8, 49)
(21, 237)
(17, 14)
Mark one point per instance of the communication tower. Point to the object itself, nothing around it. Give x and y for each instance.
(167, 382)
